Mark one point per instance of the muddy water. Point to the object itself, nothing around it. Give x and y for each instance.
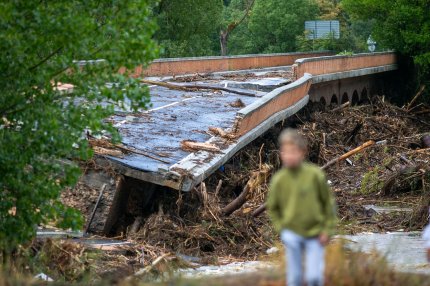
(227, 269)
(404, 250)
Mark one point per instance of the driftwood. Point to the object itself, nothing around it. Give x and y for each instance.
(256, 179)
(345, 156)
(259, 210)
(348, 154)
(194, 146)
(191, 87)
(236, 203)
(411, 103)
(218, 188)
(222, 133)
(148, 268)
(95, 208)
(104, 147)
(136, 225)
(340, 107)
(110, 152)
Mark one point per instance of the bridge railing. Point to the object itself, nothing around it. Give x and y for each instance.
(335, 64)
(180, 66)
(276, 105)
(292, 97)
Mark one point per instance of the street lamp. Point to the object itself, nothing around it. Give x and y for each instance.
(371, 44)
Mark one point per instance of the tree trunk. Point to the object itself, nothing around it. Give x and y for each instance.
(223, 39)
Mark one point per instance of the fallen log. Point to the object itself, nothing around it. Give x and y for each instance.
(109, 152)
(194, 146)
(191, 87)
(95, 208)
(256, 179)
(348, 154)
(104, 147)
(222, 133)
(236, 203)
(340, 107)
(259, 210)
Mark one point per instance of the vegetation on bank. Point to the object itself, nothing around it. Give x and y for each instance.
(42, 129)
(344, 268)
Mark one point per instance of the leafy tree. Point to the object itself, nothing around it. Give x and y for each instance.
(403, 25)
(188, 27)
(40, 127)
(275, 24)
(353, 32)
(234, 14)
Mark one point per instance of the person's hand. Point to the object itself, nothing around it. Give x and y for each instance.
(324, 239)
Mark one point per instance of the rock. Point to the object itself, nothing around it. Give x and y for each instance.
(272, 250)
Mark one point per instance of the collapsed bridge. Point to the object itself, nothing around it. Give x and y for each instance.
(216, 107)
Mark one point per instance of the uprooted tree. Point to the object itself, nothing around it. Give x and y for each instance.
(41, 128)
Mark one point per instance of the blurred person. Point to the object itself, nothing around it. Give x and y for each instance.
(302, 208)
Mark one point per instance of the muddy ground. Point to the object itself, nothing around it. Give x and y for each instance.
(393, 172)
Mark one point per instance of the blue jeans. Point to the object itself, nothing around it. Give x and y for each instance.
(296, 245)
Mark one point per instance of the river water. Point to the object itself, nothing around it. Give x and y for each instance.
(403, 250)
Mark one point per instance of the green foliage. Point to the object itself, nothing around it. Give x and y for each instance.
(353, 32)
(402, 25)
(274, 24)
(188, 27)
(371, 182)
(39, 126)
(235, 19)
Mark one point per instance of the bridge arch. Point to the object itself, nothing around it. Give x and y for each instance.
(355, 98)
(364, 93)
(333, 100)
(344, 98)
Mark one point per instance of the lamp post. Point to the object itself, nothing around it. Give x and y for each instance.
(371, 44)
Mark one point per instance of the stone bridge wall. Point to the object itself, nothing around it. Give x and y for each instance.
(335, 64)
(328, 79)
(180, 66)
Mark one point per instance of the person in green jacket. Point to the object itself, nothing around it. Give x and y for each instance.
(302, 208)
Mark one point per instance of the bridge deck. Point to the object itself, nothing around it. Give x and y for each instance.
(178, 115)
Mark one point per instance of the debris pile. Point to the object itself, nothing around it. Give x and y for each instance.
(374, 154)
(391, 165)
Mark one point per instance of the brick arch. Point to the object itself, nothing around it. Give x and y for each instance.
(355, 98)
(345, 97)
(334, 100)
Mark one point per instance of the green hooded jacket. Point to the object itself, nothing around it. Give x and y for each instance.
(300, 200)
